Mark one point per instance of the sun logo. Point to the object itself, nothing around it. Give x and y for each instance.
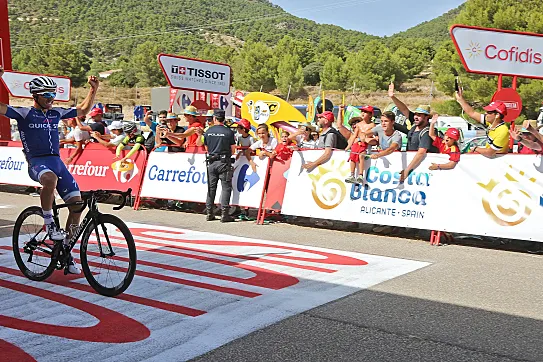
(328, 188)
(474, 49)
(509, 202)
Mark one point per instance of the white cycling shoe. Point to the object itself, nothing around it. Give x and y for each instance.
(72, 266)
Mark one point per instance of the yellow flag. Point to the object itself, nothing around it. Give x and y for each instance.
(310, 113)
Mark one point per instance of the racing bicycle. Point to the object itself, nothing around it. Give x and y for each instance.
(107, 250)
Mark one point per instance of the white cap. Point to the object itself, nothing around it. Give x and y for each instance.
(115, 125)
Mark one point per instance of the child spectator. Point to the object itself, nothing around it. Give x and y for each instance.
(242, 137)
(284, 150)
(265, 145)
(358, 143)
(447, 145)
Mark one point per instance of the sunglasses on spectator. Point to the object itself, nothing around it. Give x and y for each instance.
(48, 95)
(491, 112)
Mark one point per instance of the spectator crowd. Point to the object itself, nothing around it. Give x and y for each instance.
(362, 137)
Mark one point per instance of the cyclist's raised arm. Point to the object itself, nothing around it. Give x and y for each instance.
(84, 107)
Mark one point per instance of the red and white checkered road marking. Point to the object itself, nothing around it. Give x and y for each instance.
(192, 293)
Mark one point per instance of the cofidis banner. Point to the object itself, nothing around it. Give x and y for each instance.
(182, 176)
(498, 197)
(496, 51)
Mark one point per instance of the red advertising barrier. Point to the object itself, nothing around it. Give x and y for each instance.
(278, 182)
(96, 168)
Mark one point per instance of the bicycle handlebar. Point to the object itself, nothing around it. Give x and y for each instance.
(124, 194)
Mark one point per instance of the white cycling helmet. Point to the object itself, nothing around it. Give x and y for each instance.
(129, 127)
(42, 84)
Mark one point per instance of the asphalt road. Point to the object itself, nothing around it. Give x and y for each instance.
(470, 304)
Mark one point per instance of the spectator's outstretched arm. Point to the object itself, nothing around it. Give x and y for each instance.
(82, 127)
(340, 126)
(476, 116)
(432, 131)
(535, 132)
(147, 118)
(178, 141)
(352, 137)
(415, 162)
(292, 136)
(134, 149)
(401, 105)
(393, 147)
(78, 151)
(488, 152)
(67, 141)
(324, 158)
(249, 158)
(84, 107)
(101, 141)
(120, 147)
(445, 166)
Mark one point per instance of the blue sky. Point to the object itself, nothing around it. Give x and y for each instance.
(376, 17)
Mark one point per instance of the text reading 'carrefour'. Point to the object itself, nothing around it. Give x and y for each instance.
(176, 175)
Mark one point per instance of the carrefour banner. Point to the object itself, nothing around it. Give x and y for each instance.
(182, 176)
(14, 168)
(94, 168)
(499, 197)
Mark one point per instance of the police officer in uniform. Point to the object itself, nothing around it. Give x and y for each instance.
(220, 146)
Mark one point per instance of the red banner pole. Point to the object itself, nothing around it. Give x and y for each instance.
(5, 55)
(500, 81)
(137, 200)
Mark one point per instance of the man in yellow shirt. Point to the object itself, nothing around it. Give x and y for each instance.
(497, 134)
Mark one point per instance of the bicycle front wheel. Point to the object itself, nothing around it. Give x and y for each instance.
(32, 249)
(108, 255)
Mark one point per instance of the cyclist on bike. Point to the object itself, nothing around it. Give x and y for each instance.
(38, 126)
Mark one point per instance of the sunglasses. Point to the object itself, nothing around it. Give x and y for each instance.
(491, 112)
(48, 95)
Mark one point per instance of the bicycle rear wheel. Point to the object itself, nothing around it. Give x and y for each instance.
(33, 251)
(108, 255)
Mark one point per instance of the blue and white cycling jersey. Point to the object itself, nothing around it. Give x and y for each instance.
(39, 130)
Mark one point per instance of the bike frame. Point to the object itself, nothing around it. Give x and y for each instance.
(92, 215)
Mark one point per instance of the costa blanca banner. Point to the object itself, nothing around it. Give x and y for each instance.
(17, 85)
(499, 197)
(496, 51)
(183, 176)
(195, 74)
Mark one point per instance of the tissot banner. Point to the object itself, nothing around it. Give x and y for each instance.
(195, 74)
